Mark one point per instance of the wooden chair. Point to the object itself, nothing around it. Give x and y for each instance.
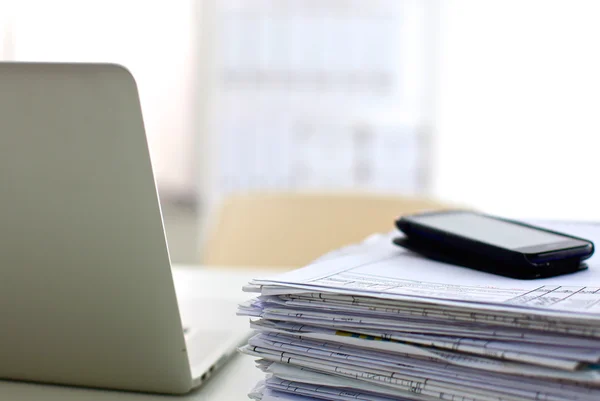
(292, 229)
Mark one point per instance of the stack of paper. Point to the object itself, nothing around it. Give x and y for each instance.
(376, 322)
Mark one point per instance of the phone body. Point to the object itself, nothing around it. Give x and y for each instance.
(493, 244)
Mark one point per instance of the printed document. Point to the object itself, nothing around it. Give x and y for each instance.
(379, 268)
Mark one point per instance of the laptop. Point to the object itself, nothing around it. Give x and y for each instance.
(86, 288)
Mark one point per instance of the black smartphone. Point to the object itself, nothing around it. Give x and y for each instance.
(493, 244)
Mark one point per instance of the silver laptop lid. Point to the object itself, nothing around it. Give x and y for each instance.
(86, 292)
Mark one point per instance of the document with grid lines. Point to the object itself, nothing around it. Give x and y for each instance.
(376, 322)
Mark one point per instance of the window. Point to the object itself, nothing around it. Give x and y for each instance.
(519, 107)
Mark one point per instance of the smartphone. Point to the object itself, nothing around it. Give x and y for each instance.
(493, 244)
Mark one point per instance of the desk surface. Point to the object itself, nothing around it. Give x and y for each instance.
(232, 382)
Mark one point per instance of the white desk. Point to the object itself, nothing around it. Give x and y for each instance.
(232, 382)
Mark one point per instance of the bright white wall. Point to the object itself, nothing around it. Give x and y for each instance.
(153, 38)
(519, 107)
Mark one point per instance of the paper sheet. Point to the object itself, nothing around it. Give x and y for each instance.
(463, 313)
(331, 393)
(555, 357)
(431, 386)
(452, 373)
(467, 331)
(394, 321)
(375, 322)
(274, 395)
(381, 269)
(452, 358)
(305, 375)
(362, 312)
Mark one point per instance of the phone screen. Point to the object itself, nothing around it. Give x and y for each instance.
(488, 230)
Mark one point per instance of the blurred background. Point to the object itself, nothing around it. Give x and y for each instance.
(493, 104)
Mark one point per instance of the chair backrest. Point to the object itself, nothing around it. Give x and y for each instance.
(292, 229)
